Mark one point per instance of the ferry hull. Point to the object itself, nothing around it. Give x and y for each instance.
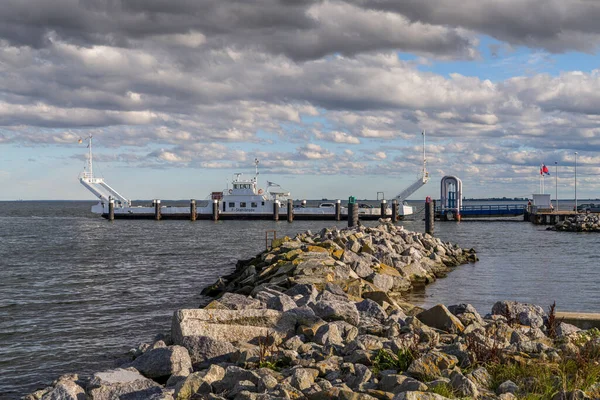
(247, 217)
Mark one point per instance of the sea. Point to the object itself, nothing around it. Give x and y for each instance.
(77, 291)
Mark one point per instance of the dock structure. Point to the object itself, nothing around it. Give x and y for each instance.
(482, 211)
(546, 216)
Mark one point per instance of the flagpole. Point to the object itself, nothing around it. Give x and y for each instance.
(556, 183)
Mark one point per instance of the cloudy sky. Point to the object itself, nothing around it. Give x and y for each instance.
(330, 96)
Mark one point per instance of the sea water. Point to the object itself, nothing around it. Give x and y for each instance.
(77, 291)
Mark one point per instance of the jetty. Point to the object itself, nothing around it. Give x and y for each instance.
(321, 316)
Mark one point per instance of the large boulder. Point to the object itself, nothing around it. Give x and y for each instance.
(336, 310)
(440, 317)
(235, 326)
(164, 362)
(522, 313)
(430, 365)
(204, 349)
(65, 389)
(121, 383)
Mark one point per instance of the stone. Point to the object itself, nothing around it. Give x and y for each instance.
(522, 313)
(328, 334)
(440, 317)
(430, 365)
(204, 349)
(111, 384)
(362, 374)
(418, 396)
(267, 382)
(462, 385)
(282, 302)
(65, 390)
(564, 329)
(234, 301)
(480, 377)
(371, 309)
(233, 375)
(193, 383)
(303, 378)
(410, 385)
(507, 387)
(235, 326)
(241, 386)
(336, 310)
(163, 362)
(382, 282)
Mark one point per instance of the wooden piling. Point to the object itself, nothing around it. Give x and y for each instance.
(352, 214)
(338, 210)
(111, 209)
(157, 210)
(383, 209)
(290, 210)
(394, 210)
(215, 210)
(192, 210)
(275, 210)
(429, 217)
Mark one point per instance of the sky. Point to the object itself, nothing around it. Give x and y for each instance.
(330, 96)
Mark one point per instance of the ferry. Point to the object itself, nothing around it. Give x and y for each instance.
(243, 200)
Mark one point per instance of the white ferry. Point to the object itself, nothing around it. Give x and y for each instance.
(244, 200)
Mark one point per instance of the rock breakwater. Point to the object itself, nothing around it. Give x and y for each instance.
(579, 223)
(321, 316)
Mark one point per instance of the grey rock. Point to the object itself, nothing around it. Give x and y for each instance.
(418, 396)
(480, 377)
(370, 308)
(507, 387)
(241, 386)
(564, 329)
(282, 302)
(349, 332)
(362, 374)
(525, 314)
(430, 365)
(303, 378)
(382, 281)
(163, 362)
(440, 317)
(328, 334)
(65, 390)
(204, 349)
(111, 384)
(233, 375)
(235, 301)
(463, 386)
(267, 382)
(336, 310)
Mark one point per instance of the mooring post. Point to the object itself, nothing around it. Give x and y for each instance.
(276, 210)
(192, 210)
(215, 210)
(395, 210)
(111, 209)
(290, 210)
(383, 212)
(338, 210)
(157, 215)
(352, 212)
(429, 215)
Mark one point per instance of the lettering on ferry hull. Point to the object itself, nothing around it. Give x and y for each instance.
(245, 209)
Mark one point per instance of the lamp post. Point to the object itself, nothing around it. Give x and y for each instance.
(556, 183)
(575, 182)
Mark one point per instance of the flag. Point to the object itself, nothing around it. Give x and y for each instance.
(544, 170)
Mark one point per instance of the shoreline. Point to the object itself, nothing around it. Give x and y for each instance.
(335, 295)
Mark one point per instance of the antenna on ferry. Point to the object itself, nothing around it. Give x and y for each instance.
(425, 175)
(89, 161)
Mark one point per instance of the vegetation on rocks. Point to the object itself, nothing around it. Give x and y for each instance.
(321, 316)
